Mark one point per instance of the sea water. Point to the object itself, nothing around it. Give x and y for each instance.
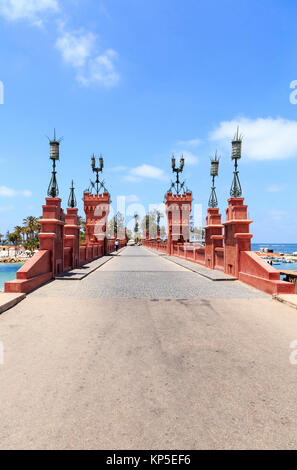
(8, 272)
(287, 248)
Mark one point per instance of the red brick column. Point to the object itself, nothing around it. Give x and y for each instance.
(96, 210)
(237, 236)
(52, 233)
(178, 210)
(213, 235)
(72, 235)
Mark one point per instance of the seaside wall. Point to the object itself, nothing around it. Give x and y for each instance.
(229, 252)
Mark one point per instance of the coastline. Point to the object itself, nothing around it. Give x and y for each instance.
(13, 260)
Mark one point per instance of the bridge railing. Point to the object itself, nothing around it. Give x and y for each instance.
(60, 249)
(229, 252)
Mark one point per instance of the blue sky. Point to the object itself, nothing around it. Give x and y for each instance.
(137, 80)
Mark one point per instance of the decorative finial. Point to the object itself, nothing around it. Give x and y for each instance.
(72, 199)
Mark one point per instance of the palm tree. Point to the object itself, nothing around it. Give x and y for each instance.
(31, 223)
(24, 233)
(1, 236)
(15, 239)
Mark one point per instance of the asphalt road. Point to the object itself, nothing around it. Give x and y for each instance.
(144, 354)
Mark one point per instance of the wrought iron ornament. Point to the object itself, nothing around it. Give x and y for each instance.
(214, 171)
(236, 190)
(97, 185)
(72, 199)
(178, 187)
(53, 190)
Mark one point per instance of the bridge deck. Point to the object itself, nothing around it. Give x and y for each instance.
(144, 353)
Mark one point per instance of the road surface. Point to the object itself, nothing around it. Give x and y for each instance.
(145, 354)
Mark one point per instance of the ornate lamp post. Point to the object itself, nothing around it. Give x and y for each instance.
(72, 199)
(53, 190)
(236, 190)
(214, 171)
(177, 186)
(97, 170)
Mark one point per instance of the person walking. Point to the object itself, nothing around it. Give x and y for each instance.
(116, 245)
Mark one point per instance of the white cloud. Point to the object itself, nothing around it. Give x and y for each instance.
(190, 143)
(190, 158)
(26, 9)
(9, 192)
(264, 138)
(275, 188)
(117, 169)
(101, 69)
(146, 171)
(6, 208)
(132, 179)
(80, 51)
(76, 47)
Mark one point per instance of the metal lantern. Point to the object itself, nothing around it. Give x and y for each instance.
(93, 162)
(182, 163)
(236, 149)
(214, 171)
(55, 147)
(97, 185)
(214, 168)
(54, 150)
(173, 162)
(53, 190)
(236, 190)
(236, 146)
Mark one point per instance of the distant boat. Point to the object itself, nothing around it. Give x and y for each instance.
(266, 250)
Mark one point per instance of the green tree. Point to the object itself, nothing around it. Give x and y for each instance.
(82, 223)
(15, 238)
(33, 226)
(129, 234)
(136, 227)
(152, 222)
(31, 245)
(116, 226)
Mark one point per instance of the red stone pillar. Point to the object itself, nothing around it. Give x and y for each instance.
(96, 209)
(72, 235)
(51, 235)
(178, 210)
(213, 235)
(237, 236)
